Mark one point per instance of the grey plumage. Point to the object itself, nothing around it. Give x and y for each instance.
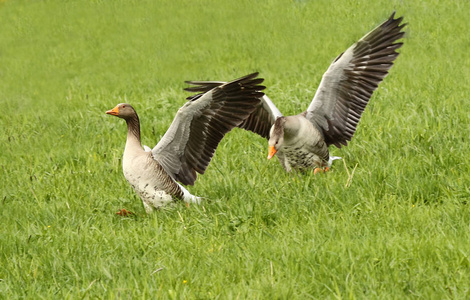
(349, 82)
(338, 104)
(190, 142)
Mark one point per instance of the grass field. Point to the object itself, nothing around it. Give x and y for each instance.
(390, 221)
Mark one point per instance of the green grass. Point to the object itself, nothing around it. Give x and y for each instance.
(391, 220)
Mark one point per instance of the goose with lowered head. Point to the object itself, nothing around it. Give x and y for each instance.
(301, 141)
(190, 142)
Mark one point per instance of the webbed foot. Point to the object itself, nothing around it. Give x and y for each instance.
(320, 170)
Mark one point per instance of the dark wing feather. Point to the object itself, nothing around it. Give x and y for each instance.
(189, 144)
(259, 122)
(349, 82)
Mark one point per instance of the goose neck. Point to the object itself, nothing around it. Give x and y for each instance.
(133, 131)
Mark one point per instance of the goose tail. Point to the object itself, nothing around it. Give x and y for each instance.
(188, 197)
(332, 158)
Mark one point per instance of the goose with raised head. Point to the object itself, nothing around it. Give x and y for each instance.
(190, 142)
(302, 141)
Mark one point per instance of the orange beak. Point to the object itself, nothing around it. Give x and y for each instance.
(272, 151)
(114, 111)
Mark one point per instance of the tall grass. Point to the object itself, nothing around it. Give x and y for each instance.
(390, 221)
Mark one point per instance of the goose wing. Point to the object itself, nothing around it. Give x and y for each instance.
(259, 122)
(349, 82)
(199, 125)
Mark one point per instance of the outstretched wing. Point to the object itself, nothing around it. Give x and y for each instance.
(190, 142)
(259, 122)
(349, 82)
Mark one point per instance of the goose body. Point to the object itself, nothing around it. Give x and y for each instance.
(302, 141)
(189, 144)
(148, 178)
(296, 151)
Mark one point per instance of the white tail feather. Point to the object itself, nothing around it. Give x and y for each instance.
(188, 197)
(332, 158)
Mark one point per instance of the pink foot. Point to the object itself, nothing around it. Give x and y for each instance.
(320, 170)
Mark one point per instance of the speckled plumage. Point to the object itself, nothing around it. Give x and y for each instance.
(150, 181)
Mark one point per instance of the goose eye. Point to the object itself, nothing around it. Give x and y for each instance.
(123, 106)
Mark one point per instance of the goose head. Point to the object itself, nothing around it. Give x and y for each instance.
(127, 112)
(123, 110)
(276, 136)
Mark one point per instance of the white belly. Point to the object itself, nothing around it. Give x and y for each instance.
(141, 177)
